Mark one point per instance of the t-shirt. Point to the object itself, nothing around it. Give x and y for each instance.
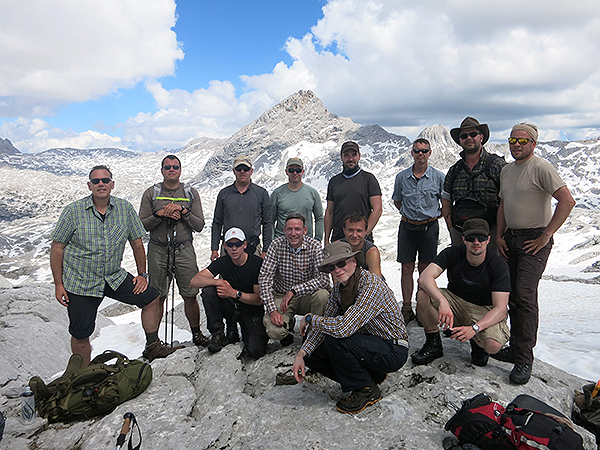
(474, 284)
(527, 190)
(242, 278)
(305, 201)
(350, 195)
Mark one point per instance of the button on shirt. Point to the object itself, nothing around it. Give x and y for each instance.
(421, 199)
(93, 246)
(286, 268)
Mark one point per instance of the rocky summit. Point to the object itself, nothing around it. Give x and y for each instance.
(202, 401)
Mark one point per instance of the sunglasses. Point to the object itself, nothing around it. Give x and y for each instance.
(521, 141)
(423, 150)
(331, 267)
(175, 167)
(294, 170)
(98, 180)
(480, 237)
(471, 134)
(243, 169)
(234, 244)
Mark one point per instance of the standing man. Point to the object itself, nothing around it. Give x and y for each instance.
(171, 211)
(289, 280)
(85, 258)
(472, 184)
(234, 294)
(526, 225)
(418, 197)
(355, 230)
(246, 206)
(297, 197)
(353, 190)
(360, 338)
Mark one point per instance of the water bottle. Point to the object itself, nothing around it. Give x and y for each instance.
(27, 406)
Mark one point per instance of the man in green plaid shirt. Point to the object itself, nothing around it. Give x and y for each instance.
(85, 258)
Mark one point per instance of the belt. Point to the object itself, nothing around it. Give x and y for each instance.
(420, 222)
(525, 231)
(402, 342)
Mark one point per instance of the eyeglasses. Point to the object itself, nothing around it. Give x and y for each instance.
(234, 244)
(295, 170)
(241, 168)
(480, 237)
(521, 141)
(175, 167)
(331, 267)
(422, 150)
(98, 180)
(471, 134)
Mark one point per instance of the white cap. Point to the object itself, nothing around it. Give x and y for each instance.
(235, 233)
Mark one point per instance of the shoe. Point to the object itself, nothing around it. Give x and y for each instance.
(244, 357)
(217, 342)
(378, 377)
(158, 349)
(285, 379)
(505, 355)
(359, 399)
(288, 340)
(479, 356)
(521, 373)
(408, 315)
(232, 334)
(200, 340)
(432, 349)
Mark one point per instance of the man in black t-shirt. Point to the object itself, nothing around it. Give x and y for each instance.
(234, 298)
(474, 305)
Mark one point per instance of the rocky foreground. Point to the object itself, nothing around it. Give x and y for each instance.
(202, 401)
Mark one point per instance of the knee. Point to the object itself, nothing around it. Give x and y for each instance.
(423, 299)
(408, 269)
(492, 346)
(209, 293)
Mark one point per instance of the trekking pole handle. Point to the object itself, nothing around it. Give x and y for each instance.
(124, 430)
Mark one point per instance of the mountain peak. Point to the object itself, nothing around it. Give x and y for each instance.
(7, 148)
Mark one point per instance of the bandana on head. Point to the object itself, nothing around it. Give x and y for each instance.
(531, 130)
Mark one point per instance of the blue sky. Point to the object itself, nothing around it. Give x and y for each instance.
(159, 73)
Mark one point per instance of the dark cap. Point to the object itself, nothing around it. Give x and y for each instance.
(350, 145)
(476, 226)
(471, 122)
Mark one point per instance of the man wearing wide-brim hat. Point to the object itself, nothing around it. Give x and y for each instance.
(360, 338)
(472, 184)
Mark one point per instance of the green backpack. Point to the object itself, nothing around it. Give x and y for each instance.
(84, 392)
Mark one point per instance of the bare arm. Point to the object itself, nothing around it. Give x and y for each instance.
(56, 265)
(373, 259)
(377, 206)
(500, 230)
(140, 284)
(328, 221)
(427, 283)
(398, 205)
(202, 279)
(446, 208)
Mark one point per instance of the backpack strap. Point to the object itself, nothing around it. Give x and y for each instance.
(187, 188)
(103, 358)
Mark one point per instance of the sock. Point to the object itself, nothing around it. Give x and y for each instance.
(151, 337)
(196, 329)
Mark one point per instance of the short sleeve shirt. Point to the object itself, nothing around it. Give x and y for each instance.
(241, 278)
(421, 199)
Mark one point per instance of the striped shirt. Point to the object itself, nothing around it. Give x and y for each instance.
(93, 246)
(375, 312)
(286, 268)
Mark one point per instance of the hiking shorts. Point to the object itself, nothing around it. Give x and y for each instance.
(83, 309)
(421, 238)
(467, 314)
(185, 269)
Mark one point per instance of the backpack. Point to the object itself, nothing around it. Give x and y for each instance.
(158, 189)
(97, 389)
(490, 426)
(587, 411)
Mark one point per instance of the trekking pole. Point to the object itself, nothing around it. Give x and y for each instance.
(170, 265)
(124, 430)
(174, 247)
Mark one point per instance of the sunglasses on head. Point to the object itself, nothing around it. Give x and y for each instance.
(422, 150)
(479, 237)
(521, 141)
(471, 134)
(167, 167)
(98, 180)
(234, 244)
(243, 168)
(331, 267)
(294, 170)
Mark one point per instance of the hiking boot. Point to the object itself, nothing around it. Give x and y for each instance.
(521, 373)
(232, 334)
(432, 349)
(200, 340)
(359, 399)
(158, 349)
(217, 342)
(288, 340)
(479, 356)
(505, 355)
(408, 315)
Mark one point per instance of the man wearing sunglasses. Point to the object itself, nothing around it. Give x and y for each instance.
(171, 211)
(473, 307)
(360, 338)
(472, 184)
(417, 195)
(243, 205)
(85, 258)
(289, 281)
(234, 297)
(299, 197)
(526, 225)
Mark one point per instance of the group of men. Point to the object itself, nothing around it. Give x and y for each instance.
(354, 333)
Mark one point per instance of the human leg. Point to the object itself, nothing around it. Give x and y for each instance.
(254, 334)
(82, 347)
(273, 331)
(427, 310)
(82, 311)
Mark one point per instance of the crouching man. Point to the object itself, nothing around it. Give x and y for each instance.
(474, 306)
(361, 337)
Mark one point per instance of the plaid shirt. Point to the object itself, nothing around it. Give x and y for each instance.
(94, 248)
(375, 312)
(285, 268)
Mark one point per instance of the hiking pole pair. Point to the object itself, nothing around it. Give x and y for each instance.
(171, 247)
(129, 418)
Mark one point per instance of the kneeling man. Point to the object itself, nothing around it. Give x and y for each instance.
(360, 338)
(474, 306)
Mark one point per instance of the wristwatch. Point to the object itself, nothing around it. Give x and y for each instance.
(308, 318)
(476, 328)
(143, 274)
(238, 295)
